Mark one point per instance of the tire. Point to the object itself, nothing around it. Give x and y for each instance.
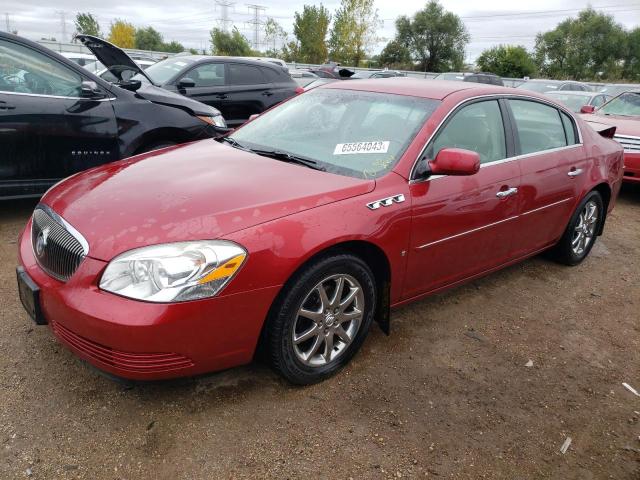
(155, 146)
(327, 323)
(575, 244)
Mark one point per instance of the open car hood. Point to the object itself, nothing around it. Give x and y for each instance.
(109, 54)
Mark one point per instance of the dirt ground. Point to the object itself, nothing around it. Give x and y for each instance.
(448, 395)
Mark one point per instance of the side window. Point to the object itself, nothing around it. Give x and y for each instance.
(538, 125)
(207, 75)
(240, 74)
(477, 127)
(597, 101)
(271, 75)
(569, 129)
(24, 70)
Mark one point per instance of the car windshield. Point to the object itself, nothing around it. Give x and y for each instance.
(353, 133)
(540, 87)
(165, 70)
(627, 105)
(574, 102)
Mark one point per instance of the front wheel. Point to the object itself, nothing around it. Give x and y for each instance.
(322, 320)
(580, 235)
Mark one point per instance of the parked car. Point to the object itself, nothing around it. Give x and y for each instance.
(377, 74)
(613, 90)
(319, 82)
(82, 59)
(482, 77)
(296, 238)
(275, 61)
(235, 86)
(332, 70)
(622, 112)
(576, 100)
(303, 77)
(451, 76)
(542, 86)
(56, 118)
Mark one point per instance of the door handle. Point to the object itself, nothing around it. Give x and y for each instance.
(575, 172)
(6, 106)
(267, 93)
(222, 96)
(507, 193)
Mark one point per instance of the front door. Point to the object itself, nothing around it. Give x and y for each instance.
(210, 86)
(463, 226)
(47, 131)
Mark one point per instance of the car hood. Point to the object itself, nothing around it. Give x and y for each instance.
(625, 125)
(165, 97)
(202, 190)
(109, 54)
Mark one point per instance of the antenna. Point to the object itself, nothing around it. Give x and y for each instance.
(256, 23)
(224, 21)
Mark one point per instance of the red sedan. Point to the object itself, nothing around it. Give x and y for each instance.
(623, 112)
(300, 229)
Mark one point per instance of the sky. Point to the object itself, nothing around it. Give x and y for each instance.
(490, 22)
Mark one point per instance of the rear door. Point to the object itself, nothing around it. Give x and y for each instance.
(282, 86)
(249, 92)
(47, 130)
(463, 225)
(553, 167)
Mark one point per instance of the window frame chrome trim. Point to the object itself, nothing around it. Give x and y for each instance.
(494, 96)
(106, 99)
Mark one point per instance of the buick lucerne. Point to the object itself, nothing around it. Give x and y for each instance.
(294, 233)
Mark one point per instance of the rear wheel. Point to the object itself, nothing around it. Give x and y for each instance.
(322, 319)
(580, 235)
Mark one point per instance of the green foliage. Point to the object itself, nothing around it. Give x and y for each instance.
(507, 61)
(232, 44)
(395, 55)
(310, 29)
(273, 35)
(122, 34)
(354, 31)
(436, 38)
(172, 47)
(632, 56)
(148, 39)
(590, 46)
(87, 24)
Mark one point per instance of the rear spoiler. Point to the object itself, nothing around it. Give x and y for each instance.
(607, 131)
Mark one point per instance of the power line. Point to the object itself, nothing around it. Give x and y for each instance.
(8, 21)
(63, 24)
(256, 22)
(223, 21)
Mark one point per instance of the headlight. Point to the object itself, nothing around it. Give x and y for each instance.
(216, 120)
(174, 272)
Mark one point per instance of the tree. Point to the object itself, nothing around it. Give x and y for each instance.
(148, 39)
(87, 24)
(172, 47)
(233, 44)
(395, 55)
(354, 31)
(273, 35)
(436, 38)
(507, 61)
(586, 47)
(632, 56)
(122, 34)
(310, 29)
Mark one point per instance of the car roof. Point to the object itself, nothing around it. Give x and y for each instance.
(249, 61)
(574, 92)
(418, 87)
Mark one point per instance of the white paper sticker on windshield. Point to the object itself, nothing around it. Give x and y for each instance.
(361, 147)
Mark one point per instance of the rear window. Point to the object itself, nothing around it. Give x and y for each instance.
(569, 129)
(539, 126)
(272, 75)
(240, 74)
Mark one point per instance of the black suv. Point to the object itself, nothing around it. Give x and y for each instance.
(57, 118)
(238, 87)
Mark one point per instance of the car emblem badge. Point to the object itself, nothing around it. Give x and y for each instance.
(41, 241)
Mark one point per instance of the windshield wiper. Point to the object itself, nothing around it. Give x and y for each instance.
(290, 158)
(234, 143)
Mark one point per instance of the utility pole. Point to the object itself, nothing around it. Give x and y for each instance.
(223, 21)
(8, 21)
(256, 23)
(63, 24)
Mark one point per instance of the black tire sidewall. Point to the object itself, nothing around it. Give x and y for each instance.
(566, 253)
(283, 318)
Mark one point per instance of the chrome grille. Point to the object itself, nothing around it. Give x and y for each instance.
(58, 247)
(629, 143)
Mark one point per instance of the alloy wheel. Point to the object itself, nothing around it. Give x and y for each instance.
(585, 229)
(328, 320)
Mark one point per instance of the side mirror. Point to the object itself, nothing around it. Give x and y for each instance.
(131, 85)
(455, 161)
(186, 82)
(90, 90)
(587, 109)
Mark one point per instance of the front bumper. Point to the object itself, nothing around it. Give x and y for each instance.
(147, 341)
(632, 167)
